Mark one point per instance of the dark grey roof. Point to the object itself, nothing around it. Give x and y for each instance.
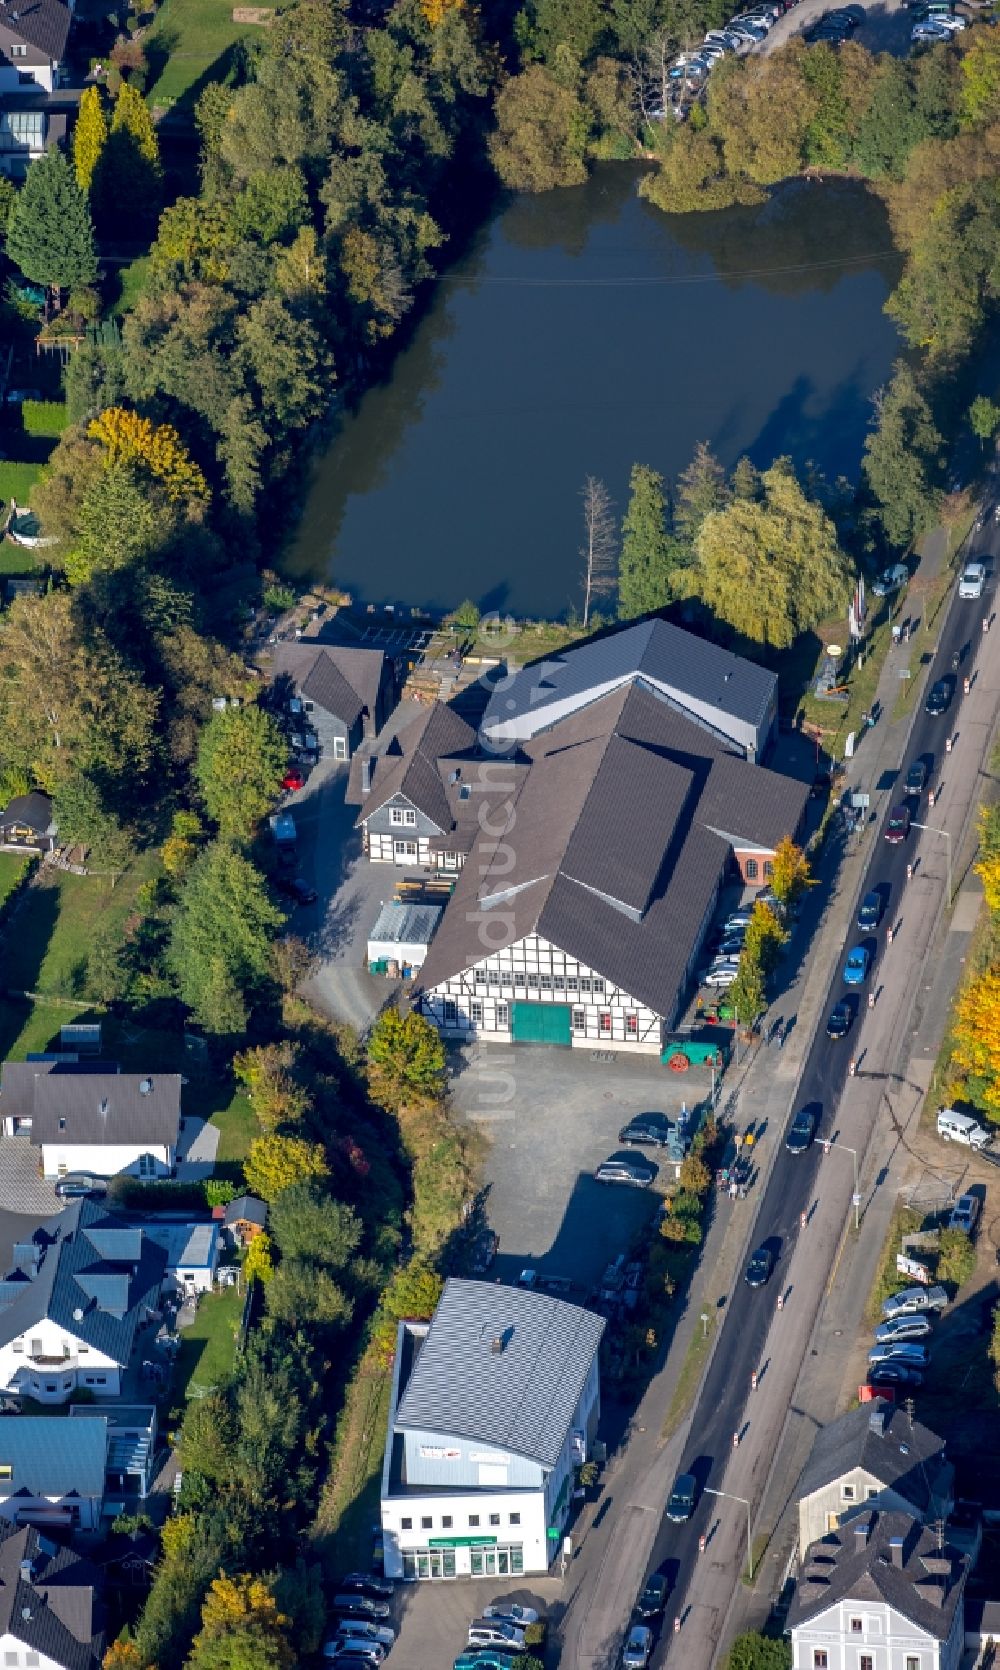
(17, 1080)
(625, 820)
(41, 23)
(655, 650)
(882, 1439)
(342, 680)
(51, 1456)
(97, 1277)
(246, 1209)
(417, 766)
(35, 809)
(98, 1108)
(58, 1613)
(521, 1398)
(845, 1565)
(326, 685)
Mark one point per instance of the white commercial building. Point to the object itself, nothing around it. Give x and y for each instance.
(494, 1404)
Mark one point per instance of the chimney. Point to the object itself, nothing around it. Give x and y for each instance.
(878, 1420)
(862, 1531)
(366, 776)
(497, 1344)
(27, 1571)
(896, 1552)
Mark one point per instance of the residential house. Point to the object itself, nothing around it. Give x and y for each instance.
(32, 122)
(338, 694)
(876, 1456)
(882, 1593)
(26, 822)
(33, 36)
(493, 1405)
(130, 1450)
(51, 1604)
(245, 1218)
(733, 700)
(74, 1303)
(103, 1121)
(580, 912)
(52, 1470)
(17, 1083)
(192, 1251)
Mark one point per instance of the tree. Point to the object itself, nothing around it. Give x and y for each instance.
(274, 1163)
(220, 937)
(267, 1073)
(700, 490)
(541, 133)
(890, 127)
(50, 235)
(307, 1223)
(980, 94)
(903, 456)
(758, 1652)
(987, 865)
(128, 438)
(257, 1262)
(765, 937)
(241, 759)
(84, 819)
(118, 526)
(773, 568)
(976, 1039)
(90, 135)
(647, 557)
(302, 1292)
(789, 872)
(598, 549)
(984, 418)
(182, 845)
(127, 183)
(406, 1060)
(241, 1628)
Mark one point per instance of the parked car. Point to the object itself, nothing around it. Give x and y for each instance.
(646, 1130)
(359, 1606)
(368, 1583)
(758, 1271)
(916, 779)
(894, 1374)
(511, 1612)
(914, 1300)
(900, 1328)
(841, 1019)
(350, 1653)
(890, 580)
(965, 1213)
(929, 31)
(632, 1169)
(973, 580)
(856, 967)
(654, 1596)
(365, 1631)
(720, 974)
(737, 919)
(912, 1353)
(898, 826)
(490, 1632)
(294, 888)
(682, 1498)
(938, 697)
(486, 1659)
(870, 912)
(801, 1131)
(637, 1648)
(80, 1185)
(293, 779)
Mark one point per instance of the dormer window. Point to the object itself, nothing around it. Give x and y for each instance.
(402, 815)
(18, 50)
(62, 1124)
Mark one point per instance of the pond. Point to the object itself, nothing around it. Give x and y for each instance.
(583, 331)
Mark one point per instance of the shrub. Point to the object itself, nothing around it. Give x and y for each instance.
(956, 1258)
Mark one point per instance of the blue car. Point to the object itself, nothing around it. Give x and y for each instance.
(856, 967)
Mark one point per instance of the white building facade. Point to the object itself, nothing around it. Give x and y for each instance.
(49, 1363)
(108, 1159)
(870, 1635)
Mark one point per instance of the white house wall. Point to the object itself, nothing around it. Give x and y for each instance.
(476, 1002)
(13, 1651)
(888, 1638)
(512, 1519)
(47, 1363)
(107, 1159)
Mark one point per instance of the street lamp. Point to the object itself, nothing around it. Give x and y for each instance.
(829, 1143)
(932, 830)
(730, 1497)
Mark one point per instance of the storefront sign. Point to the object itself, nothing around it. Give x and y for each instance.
(461, 1542)
(434, 1452)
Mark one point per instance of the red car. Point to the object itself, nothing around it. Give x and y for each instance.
(293, 779)
(898, 827)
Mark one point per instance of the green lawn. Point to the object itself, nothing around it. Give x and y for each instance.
(16, 481)
(237, 1128)
(56, 924)
(131, 281)
(31, 1028)
(187, 39)
(208, 1347)
(16, 560)
(12, 868)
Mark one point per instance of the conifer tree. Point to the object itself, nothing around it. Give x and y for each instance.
(51, 236)
(90, 135)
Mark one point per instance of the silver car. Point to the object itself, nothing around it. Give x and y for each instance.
(637, 1648)
(900, 1328)
(913, 1300)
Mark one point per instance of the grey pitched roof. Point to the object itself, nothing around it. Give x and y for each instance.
(33, 809)
(326, 685)
(98, 1108)
(246, 1209)
(342, 680)
(58, 1613)
(624, 821)
(419, 765)
(41, 23)
(521, 1398)
(97, 1277)
(654, 650)
(845, 1565)
(881, 1438)
(17, 1080)
(51, 1456)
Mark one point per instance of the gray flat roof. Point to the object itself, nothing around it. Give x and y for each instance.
(400, 924)
(521, 1398)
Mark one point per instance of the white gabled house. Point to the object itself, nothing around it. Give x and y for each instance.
(90, 1116)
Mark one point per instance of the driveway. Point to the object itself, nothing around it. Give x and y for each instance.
(550, 1116)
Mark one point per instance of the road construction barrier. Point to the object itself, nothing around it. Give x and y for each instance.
(888, 935)
(909, 872)
(947, 744)
(871, 1000)
(852, 1067)
(753, 1381)
(781, 1301)
(965, 687)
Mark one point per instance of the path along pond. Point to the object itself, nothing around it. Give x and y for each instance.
(580, 332)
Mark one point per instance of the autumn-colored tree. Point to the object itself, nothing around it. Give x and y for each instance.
(789, 871)
(132, 116)
(435, 11)
(182, 845)
(406, 1060)
(258, 1264)
(276, 1162)
(695, 1176)
(127, 438)
(90, 135)
(242, 1627)
(975, 1050)
(267, 1073)
(413, 1293)
(987, 865)
(124, 1655)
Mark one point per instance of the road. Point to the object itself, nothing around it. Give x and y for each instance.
(755, 1336)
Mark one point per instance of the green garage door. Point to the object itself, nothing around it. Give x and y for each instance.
(540, 1023)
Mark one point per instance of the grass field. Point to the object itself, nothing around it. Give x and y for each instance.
(16, 480)
(12, 867)
(187, 39)
(56, 923)
(208, 1347)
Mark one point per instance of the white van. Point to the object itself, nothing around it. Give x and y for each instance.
(958, 1127)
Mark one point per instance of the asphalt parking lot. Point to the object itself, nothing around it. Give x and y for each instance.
(434, 1618)
(550, 1116)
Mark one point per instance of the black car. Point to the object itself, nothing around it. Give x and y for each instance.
(682, 1498)
(870, 912)
(938, 698)
(80, 1185)
(367, 1583)
(802, 1129)
(646, 1130)
(352, 1605)
(894, 1374)
(633, 1169)
(841, 1018)
(916, 778)
(293, 887)
(654, 1596)
(759, 1269)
